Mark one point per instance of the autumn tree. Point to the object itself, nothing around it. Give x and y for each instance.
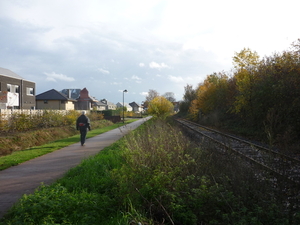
(245, 59)
(245, 63)
(150, 96)
(260, 95)
(211, 97)
(160, 107)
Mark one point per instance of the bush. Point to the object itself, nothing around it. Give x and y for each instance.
(41, 208)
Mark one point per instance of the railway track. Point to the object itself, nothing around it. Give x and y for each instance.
(276, 163)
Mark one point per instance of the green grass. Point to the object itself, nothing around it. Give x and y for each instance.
(152, 174)
(30, 153)
(82, 196)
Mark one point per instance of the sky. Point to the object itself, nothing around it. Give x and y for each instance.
(137, 45)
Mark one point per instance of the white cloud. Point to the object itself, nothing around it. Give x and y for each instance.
(175, 79)
(55, 76)
(134, 77)
(144, 93)
(155, 65)
(103, 71)
(136, 37)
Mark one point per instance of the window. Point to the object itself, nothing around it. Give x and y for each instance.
(8, 87)
(17, 89)
(45, 101)
(30, 91)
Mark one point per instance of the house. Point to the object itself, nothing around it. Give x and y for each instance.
(135, 107)
(71, 93)
(99, 106)
(15, 91)
(85, 102)
(54, 99)
(120, 105)
(109, 105)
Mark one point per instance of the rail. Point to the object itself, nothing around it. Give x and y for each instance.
(275, 162)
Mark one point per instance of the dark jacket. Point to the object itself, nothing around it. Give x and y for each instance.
(83, 122)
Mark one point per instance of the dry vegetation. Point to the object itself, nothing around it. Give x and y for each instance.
(21, 131)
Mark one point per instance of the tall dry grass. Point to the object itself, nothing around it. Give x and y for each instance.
(21, 131)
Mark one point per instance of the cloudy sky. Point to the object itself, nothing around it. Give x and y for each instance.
(108, 46)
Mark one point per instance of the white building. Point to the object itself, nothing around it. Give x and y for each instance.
(120, 105)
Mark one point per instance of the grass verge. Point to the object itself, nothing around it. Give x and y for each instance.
(152, 176)
(24, 155)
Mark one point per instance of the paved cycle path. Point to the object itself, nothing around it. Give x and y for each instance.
(26, 177)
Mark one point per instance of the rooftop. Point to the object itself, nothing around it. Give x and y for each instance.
(9, 73)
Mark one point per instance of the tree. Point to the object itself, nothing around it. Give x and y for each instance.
(296, 46)
(246, 63)
(245, 58)
(170, 96)
(160, 107)
(151, 95)
(188, 96)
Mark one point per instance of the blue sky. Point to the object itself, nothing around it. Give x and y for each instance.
(109, 46)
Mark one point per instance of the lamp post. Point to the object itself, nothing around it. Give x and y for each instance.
(123, 105)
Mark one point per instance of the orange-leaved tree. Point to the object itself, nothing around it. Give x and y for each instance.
(160, 107)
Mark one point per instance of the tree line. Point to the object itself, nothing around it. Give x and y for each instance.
(258, 96)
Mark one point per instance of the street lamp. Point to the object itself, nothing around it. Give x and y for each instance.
(123, 105)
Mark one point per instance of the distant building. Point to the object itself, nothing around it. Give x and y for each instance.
(99, 106)
(71, 93)
(15, 91)
(54, 99)
(108, 105)
(120, 105)
(136, 107)
(85, 102)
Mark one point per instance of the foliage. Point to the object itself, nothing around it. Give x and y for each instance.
(245, 59)
(110, 112)
(133, 114)
(22, 122)
(188, 97)
(153, 176)
(25, 140)
(212, 97)
(261, 95)
(160, 107)
(150, 96)
(41, 208)
(169, 96)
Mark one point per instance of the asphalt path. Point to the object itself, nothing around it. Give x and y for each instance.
(26, 177)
